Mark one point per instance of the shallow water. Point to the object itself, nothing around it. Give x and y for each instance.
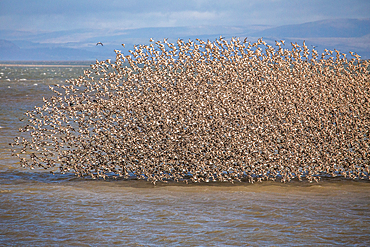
(41, 209)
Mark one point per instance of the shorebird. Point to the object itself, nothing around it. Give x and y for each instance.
(202, 111)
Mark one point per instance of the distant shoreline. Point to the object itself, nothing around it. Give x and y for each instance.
(77, 63)
(43, 65)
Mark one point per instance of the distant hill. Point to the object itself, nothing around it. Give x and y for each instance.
(11, 52)
(8, 49)
(80, 44)
(341, 34)
(344, 28)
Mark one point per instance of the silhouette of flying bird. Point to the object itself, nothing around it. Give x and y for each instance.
(99, 43)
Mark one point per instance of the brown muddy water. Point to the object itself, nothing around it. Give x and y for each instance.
(41, 209)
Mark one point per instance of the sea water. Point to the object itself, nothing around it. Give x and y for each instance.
(41, 209)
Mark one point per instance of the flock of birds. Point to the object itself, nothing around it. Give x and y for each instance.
(202, 111)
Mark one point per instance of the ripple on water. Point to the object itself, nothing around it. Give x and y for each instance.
(62, 210)
(41, 209)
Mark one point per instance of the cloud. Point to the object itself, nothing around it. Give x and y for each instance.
(70, 14)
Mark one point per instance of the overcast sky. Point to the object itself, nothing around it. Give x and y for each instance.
(55, 15)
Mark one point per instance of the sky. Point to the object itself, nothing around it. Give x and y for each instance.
(58, 15)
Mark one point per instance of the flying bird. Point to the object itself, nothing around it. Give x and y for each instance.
(194, 116)
(99, 43)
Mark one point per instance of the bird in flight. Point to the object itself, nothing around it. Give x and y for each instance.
(99, 43)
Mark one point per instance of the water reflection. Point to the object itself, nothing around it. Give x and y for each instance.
(64, 210)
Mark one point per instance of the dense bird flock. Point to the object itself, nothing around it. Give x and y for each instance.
(201, 111)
